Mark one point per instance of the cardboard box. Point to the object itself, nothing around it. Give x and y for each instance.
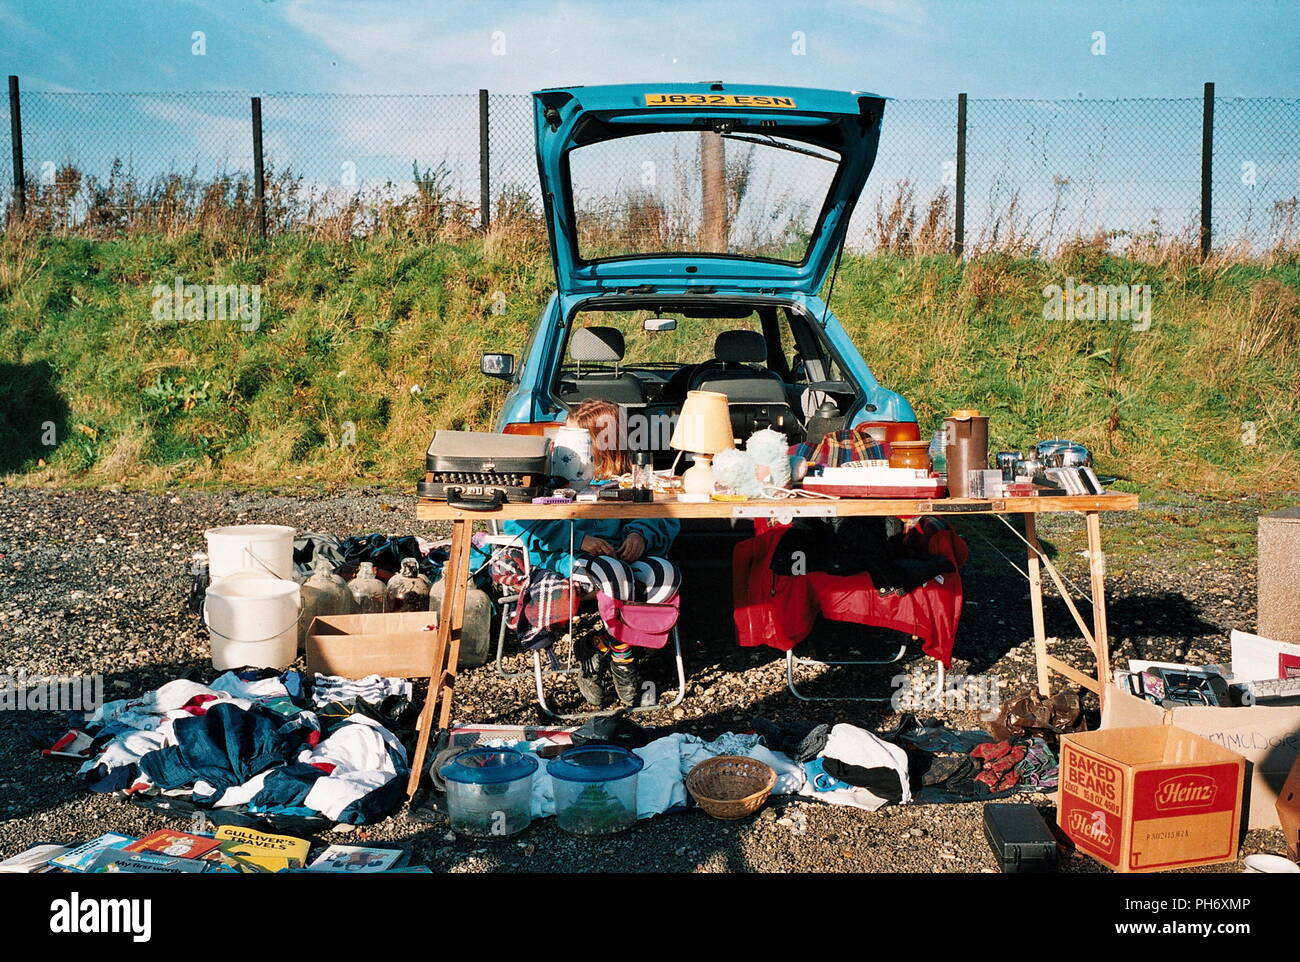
(1288, 811)
(1256, 658)
(1267, 736)
(399, 644)
(1148, 799)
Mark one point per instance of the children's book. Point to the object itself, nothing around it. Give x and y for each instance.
(356, 858)
(79, 858)
(223, 859)
(32, 860)
(119, 860)
(166, 841)
(274, 853)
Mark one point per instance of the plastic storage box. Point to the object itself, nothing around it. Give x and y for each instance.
(595, 789)
(1020, 839)
(489, 791)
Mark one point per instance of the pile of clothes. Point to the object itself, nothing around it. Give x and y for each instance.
(258, 742)
(384, 552)
(968, 766)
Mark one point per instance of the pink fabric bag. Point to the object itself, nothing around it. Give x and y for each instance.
(640, 625)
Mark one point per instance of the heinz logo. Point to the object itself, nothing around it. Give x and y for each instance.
(1185, 791)
(1091, 825)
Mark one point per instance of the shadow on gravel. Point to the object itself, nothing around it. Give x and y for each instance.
(39, 783)
(1136, 620)
(33, 414)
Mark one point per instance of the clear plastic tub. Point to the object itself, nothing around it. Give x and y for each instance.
(489, 791)
(595, 789)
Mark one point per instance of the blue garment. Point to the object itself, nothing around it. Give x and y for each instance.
(285, 787)
(822, 780)
(224, 747)
(377, 805)
(548, 541)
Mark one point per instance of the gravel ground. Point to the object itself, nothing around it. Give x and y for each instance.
(93, 582)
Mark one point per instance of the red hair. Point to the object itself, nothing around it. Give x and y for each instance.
(604, 420)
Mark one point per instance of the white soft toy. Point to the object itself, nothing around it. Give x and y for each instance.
(755, 471)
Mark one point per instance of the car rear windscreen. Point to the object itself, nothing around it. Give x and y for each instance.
(698, 192)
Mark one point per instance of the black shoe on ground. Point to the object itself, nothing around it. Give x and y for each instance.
(628, 686)
(592, 665)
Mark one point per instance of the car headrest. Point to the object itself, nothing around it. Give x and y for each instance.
(740, 347)
(596, 344)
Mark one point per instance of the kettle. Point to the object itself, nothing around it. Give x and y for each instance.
(1059, 453)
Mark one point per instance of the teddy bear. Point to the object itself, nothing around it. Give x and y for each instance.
(764, 464)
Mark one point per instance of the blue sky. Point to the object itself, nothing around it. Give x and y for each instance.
(1127, 165)
(933, 48)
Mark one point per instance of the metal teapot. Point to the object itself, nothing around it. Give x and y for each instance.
(1059, 453)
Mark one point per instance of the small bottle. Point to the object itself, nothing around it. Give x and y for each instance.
(642, 478)
(408, 590)
(198, 582)
(367, 590)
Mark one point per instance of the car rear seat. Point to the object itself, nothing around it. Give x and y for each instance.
(599, 345)
(756, 396)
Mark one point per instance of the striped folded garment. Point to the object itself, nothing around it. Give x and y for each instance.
(372, 688)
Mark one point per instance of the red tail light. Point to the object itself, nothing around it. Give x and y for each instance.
(532, 428)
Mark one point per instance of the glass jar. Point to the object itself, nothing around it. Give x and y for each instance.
(367, 590)
(938, 457)
(408, 590)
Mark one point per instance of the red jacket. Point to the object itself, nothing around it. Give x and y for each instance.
(780, 610)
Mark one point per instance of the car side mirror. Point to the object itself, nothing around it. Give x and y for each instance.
(660, 324)
(498, 365)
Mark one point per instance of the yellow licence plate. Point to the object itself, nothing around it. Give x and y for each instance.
(717, 100)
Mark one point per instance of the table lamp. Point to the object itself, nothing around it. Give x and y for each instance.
(703, 428)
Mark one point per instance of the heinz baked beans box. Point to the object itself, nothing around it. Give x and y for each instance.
(1150, 799)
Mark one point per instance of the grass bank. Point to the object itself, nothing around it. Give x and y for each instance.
(364, 346)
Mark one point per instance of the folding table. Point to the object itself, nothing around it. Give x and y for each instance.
(442, 676)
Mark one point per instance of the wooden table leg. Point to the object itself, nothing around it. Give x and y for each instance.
(1097, 569)
(455, 610)
(1036, 607)
(442, 674)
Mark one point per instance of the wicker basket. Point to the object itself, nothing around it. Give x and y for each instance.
(731, 786)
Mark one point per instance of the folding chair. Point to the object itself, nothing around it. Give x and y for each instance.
(791, 659)
(507, 601)
(551, 713)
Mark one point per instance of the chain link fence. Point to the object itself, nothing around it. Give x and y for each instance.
(1038, 173)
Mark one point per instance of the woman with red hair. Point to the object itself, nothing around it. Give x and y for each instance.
(622, 558)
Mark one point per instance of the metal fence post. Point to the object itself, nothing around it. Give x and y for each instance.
(1207, 169)
(16, 138)
(259, 172)
(484, 170)
(959, 200)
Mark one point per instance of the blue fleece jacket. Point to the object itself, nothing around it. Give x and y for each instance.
(548, 541)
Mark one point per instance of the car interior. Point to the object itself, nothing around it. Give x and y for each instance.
(770, 361)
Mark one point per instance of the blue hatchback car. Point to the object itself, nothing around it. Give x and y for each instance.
(692, 228)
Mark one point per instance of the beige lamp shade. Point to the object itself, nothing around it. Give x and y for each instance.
(704, 426)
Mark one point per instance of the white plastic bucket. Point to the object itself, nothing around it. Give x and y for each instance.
(253, 621)
(265, 548)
